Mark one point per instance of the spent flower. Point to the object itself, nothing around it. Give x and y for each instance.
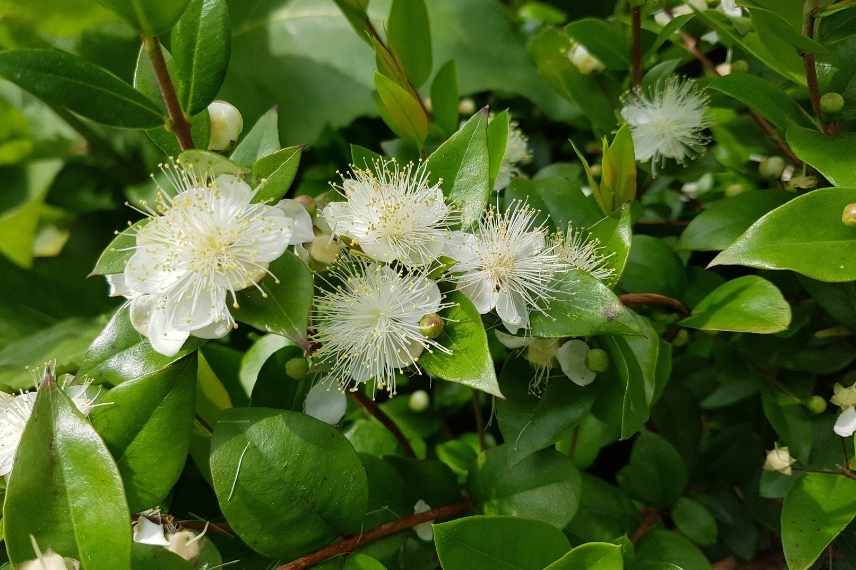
(583, 252)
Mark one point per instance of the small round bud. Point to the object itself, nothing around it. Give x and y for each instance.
(324, 249)
(831, 102)
(815, 404)
(466, 106)
(779, 460)
(682, 338)
(771, 167)
(848, 215)
(226, 125)
(739, 66)
(307, 202)
(596, 170)
(419, 401)
(733, 190)
(431, 326)
(597, 360)
(297, 368)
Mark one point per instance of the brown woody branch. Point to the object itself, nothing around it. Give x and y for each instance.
(653, 299)
(177, 121)
(636, 49)
(372, 408)
(810, 65)
(652, 517)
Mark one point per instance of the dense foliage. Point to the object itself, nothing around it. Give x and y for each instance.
(413, 284)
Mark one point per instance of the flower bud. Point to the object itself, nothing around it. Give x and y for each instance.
(324, 249)
(779, 460)
(597, 360)
(771, 167)
(466, 106)
(843, 397)
(848, 216)
(297, 368)
(733, 190)
(307, 202)
(584, 61)
(419, 401)
(431, 326)
(831, 102)
(815, 404)
(226, 125)
(596, 169)
(739, 65)
(185, 544)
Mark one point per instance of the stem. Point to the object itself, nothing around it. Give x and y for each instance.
(479, 420)
(811, 71)
(350, 543)
(177, 121)
(373, 409)
(653, 299)
(652, 517)
(636, 53)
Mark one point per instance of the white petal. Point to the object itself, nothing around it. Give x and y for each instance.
(512, 310)
(141, 311)
(232, 193)
(148, 532)
(424, 530)
(379, 250)
(152, 269)
(572, 360)
(186, 311)
(482, 293)
(511, 341)
(529, 244)
(426, 294)
(845, 425)
(118, 286)
(217, 329)
(271, 233)
(338, 216)
(325, 403)
(463, 248)
(164, 338)
(302, 230)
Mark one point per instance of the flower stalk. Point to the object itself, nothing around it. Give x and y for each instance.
(178, 123)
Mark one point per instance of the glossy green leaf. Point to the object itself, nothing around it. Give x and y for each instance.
(763, 96)
(604, 40)
(151, 17)
(401, 110)
(618, 180)
(276, 172)
(837, 299)
(599, 555)
(666, 547)
(469, 361)
(804, 235)
(656, 473)
(816, 510)
(653, 267)
(490, 542)
(201, 43)
(444, 97)
(605, 512)
(260, 141)
(695, 521)
(825, 153)
(117, 253)
(560, 200)
(615, 235)
(150, 557)
(209, 163)
(137, 418)
(65, 489)
(287, 483)
(409, 35)
(63, 79)
(792, 422)
(746, 304)
(497, 142)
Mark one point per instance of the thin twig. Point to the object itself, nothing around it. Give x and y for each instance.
(652, 517)
(178, 122)
(350, 543)
(810, 65)
(653, 299)
(636, 49)
(372, 408)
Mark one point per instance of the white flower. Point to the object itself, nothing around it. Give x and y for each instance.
(845, 424)
(543, 353)
(368, 324)
(49, 560)
(779, 459)
(667, 122)
(185, 543)
(583, 252)
(325, 404)
(149, 532)
(730, 8)
(423, 530)
(845, 398)
(572, 361)
(198, 248)
(584, 61)
(394, 214)
(516, 153)
(506, 264)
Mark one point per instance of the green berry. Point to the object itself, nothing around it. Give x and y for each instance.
(831, 102)
(848, 216)
(419, 401)
(297, 368)
(771, 167)
(815, 404)
(431, 325)
(733, 190)
(597, 360)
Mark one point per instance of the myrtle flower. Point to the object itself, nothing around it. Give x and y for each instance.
(668, 122)
(49, 560)
(200, 245)
(845, 398)
(544, 353)
(584, 61)
(507, 265)
(394, 213)
(516, 153)
(779, 460)
(368, 325)
(583, 252)
(424, 530)
(184, 543)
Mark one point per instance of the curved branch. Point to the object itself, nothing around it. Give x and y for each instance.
(372, 408)
(178, 122)
(653, 299)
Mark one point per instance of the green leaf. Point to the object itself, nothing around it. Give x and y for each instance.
(489, 542)
(409, 35)
(604, 40)
(544, 486)
(463, 164)
(287, 483)
(618, 181)
(444, 97)
(816, 510)
(66, 80)
(18, 224)
(65, 491)
(599, 555)
(615, 234)
(402, 112)
(209, 163)
(469, 360)
(151, 17)
(560, 200)
(262, 140)
(497, 142)
(150, 557)
(201, 43)
(694, 520)
(722, 222)
(746, 304)
(790, 419)
(837, 299)
(761, 95)
(653, 267)
(656, 473)
(804, 235)
(668, 547)
(582, 306)
(605, 512)
(136, 419)
(277, 172)
(117, 253)
(827, 154)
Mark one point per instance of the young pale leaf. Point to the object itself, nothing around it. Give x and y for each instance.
(746, 304)
(619, 171)
(829, 155)
(804, 235)
(262, 140)
(276, 172)
(409, 35)
(401, 111)
(63, 79)
(146, 423)
(490, 542)
(816, 510)
(444, 98)
(615, 234)
(65, 490)
(605, 41)
(469, 362)
(201, 44)
(497, 139)
(151, 17)
(600, 555)
(287, 483)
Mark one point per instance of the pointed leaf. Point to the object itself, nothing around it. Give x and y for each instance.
(746, 304)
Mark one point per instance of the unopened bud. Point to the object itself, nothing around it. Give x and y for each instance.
(431, 325)
(733, 190)
(584, 61)
(297, 368)
(419, 401)
(779, 460)
(324, 249)
(831, 102)
(739, 65)
(596, 169)
(771, 167)
(226, 125)
(307, 202)
(466, 106)
(597, 360)
(185, 544)
(848, 216)
(815, 404)
(681, 338)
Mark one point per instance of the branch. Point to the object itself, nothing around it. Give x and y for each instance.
(178, 122)
(811, 72)
(653, 299)
(636, 50)
(372, 408)
(350, 543)
(652, 517)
